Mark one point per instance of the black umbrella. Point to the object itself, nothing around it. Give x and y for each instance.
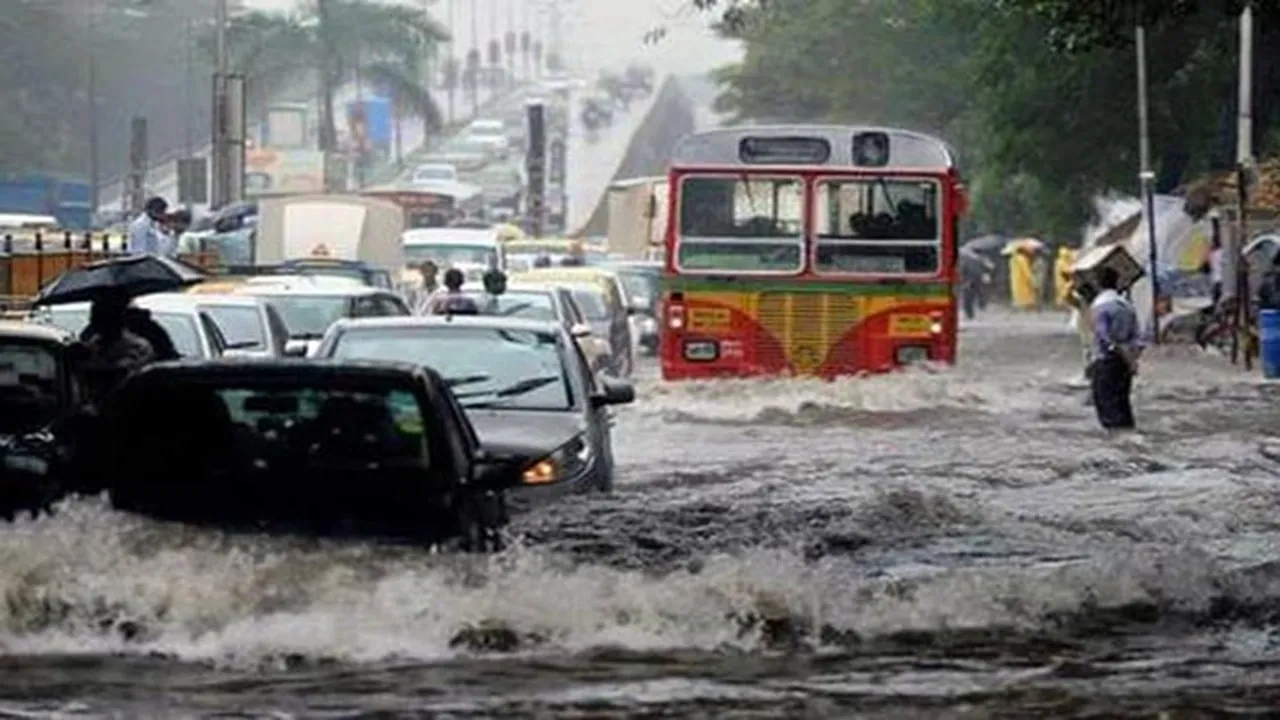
(125, 277)
(986, 244)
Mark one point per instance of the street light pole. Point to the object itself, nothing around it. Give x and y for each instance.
(1146, 175)
(1244, 167)
(218, 149)
(95, 172)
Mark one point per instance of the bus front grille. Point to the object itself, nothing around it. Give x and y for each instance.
(804, 326)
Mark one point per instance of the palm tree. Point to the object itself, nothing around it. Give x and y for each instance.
(338, 40)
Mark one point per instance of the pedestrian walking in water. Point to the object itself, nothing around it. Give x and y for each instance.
(1115, 353)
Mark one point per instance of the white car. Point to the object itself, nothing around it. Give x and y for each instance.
(434, 174)
(252, 326)
(308, 308)
(193, 331)
(491, 134)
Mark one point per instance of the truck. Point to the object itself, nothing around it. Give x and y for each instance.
(41, 194)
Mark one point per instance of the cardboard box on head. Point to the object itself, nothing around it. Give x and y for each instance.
(1085, 271)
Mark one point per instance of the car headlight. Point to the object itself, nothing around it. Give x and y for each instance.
(563, 463)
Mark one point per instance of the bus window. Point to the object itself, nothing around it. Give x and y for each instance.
(744, 224)
(878, 225)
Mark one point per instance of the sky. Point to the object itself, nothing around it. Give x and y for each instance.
(598, 34)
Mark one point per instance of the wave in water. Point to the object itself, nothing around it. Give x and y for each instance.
(91, 580)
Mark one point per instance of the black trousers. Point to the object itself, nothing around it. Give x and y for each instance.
(1111, 383)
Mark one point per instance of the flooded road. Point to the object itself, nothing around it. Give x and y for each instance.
(958, 544)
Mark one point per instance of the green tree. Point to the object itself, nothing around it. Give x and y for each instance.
(339, 41)
(1042, 127)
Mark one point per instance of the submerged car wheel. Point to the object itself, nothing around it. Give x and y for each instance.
(480, 519)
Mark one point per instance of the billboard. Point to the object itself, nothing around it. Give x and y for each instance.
(269, 170)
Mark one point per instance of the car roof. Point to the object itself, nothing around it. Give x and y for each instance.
(567, 275)
(311, 290)
(34, 331)
(283, 368)
(473, 321)
(252, 301)
(174, 303)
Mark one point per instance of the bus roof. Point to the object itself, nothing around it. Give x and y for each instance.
(794, 144)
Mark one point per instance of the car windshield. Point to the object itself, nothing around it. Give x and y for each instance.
(181, 327)
(640, 286)
(448, 254)
(241, 325)
(242, 428)
(490, 367)
(482, 129)
(309, 316)
(29, 387)
(426, 174)
(592, 303)
(524, 305)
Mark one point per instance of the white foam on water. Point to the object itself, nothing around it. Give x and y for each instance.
(246, 602)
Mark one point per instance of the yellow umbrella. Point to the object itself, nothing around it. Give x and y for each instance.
(1026, 245)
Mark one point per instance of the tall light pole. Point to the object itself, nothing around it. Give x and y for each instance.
(1145, 174)
(95, 171)
(219, 147)
(1244, 172)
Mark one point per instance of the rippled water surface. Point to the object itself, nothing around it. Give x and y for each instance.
(951, 544)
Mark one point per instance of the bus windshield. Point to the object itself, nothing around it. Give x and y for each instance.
(744, 224)
(878, 225)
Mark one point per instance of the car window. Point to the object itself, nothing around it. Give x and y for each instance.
(29, 387)
(241, 325)
(309, 316)
(183, 331)
(243, 427)
(592, 302)
(279, 332)
(576, 316)
(525, 305)
(73, 321)
(499, 367)
(217, 341)
(392, 306)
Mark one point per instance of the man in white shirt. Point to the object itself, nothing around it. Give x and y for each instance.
(148, 234)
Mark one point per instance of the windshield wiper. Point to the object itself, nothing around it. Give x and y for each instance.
(523, 387)
(306, 336)
(466, 380)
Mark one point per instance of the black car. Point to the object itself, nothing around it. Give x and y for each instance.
(321, 448)
(38, 385)
(521, 382)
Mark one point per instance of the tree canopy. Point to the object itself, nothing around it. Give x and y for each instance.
(1039, 96)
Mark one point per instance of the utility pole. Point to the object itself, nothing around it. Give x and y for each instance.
(475, 48)
(454, 66)
(219, 154)
(1145, 174)
(95, 171)
(1244, 175)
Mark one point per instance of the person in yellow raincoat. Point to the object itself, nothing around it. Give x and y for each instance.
(1062, 265)
(1024, 285)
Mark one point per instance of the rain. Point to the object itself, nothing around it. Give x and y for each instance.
(941, 541)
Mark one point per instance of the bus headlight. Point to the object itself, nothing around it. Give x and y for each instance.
(911, 354)
(563, 463)
(701, 350)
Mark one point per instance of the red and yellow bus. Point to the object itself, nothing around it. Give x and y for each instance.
(809, 251)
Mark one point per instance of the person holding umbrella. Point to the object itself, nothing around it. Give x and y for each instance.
(115, 338)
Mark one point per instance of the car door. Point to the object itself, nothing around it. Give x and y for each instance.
(620, 325)
(599, 419)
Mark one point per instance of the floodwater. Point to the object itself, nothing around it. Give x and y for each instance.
(954, 544)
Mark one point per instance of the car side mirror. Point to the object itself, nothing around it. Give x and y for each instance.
(580, 330)
(614, 392)
(295, 348)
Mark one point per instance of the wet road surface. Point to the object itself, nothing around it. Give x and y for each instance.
(958, 544)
